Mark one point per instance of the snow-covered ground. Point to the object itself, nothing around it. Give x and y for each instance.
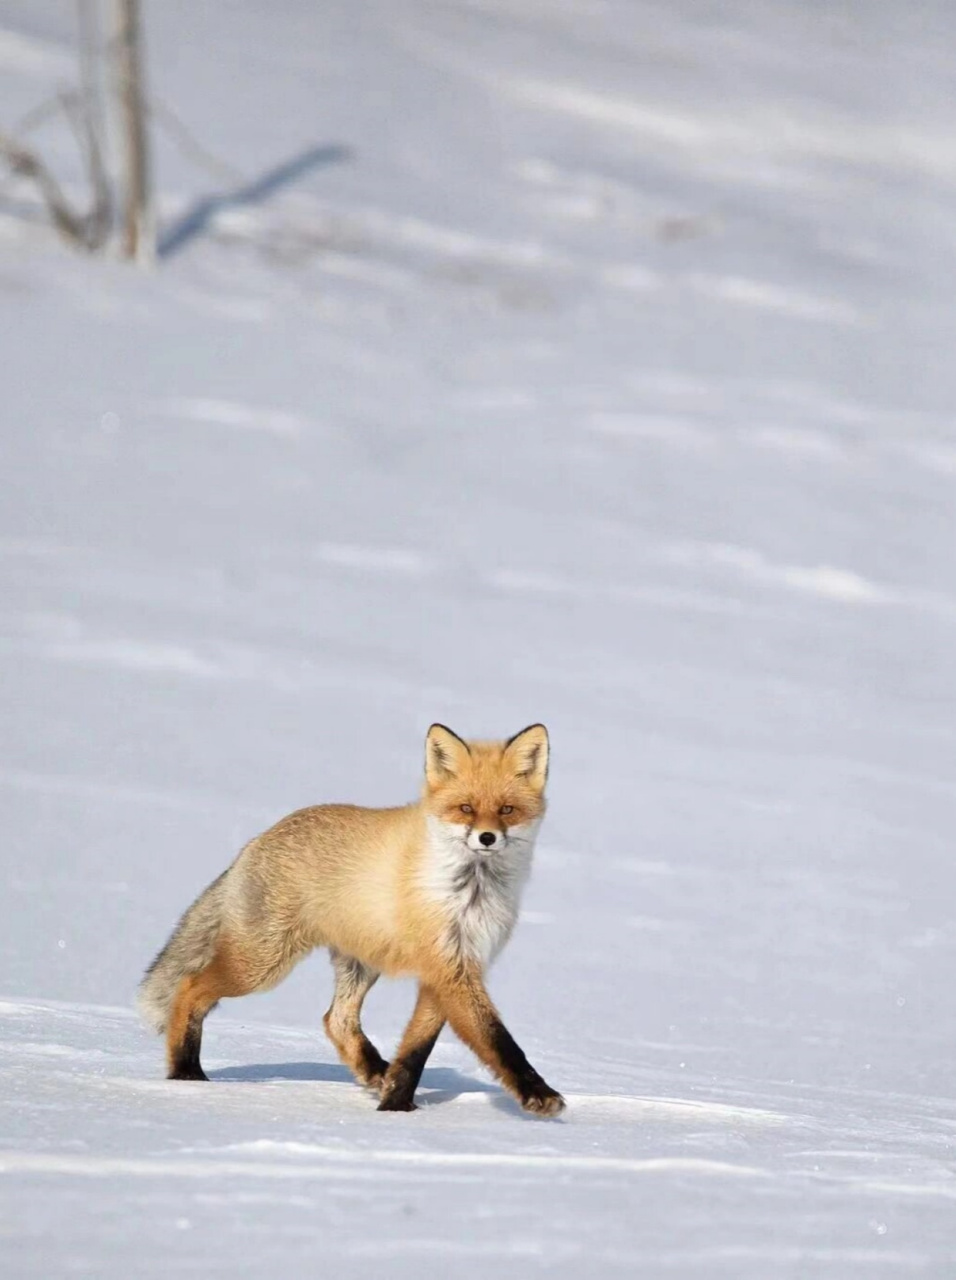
(586, 361)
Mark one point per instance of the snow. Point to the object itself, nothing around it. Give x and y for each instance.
(587, 362)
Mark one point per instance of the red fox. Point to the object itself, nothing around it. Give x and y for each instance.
(430, 890)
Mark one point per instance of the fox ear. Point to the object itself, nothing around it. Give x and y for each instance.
(529, 751)
(445, 754)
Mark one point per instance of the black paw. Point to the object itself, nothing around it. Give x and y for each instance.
(373, 1081)
(396, 1102)
(187, 1073)
(374, 1066)
(541, 1100)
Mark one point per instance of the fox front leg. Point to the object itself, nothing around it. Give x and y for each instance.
(402, 1077)
(474, 1018)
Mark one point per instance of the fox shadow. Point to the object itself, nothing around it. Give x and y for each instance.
(438, 1084)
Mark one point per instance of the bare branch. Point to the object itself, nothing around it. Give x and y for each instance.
(189, 145)
(87, 230)
(139, 220)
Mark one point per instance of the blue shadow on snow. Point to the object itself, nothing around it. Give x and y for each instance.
(195, 221)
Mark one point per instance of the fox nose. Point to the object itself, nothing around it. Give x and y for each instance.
(487, 838)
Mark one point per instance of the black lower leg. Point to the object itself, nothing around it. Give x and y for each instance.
(398, 1092)
(186, 1065)
(526, 1080)
(373, 1062)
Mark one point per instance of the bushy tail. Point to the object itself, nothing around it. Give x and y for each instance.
(190, 949)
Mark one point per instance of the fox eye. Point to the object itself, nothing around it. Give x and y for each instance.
(506, 809)
(466, 808)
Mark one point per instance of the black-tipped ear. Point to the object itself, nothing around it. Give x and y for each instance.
(445, 754)
(530, 750)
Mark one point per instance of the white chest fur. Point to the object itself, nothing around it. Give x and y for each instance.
(480, 893)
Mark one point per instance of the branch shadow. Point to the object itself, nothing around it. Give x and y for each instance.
(195, 221)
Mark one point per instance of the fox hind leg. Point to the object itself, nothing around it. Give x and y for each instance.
(196, 995)
(184, 1039)
(353, 981)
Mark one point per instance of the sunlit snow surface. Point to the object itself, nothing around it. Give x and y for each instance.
(573, 361)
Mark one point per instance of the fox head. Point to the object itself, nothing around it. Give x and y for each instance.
(492, 791)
